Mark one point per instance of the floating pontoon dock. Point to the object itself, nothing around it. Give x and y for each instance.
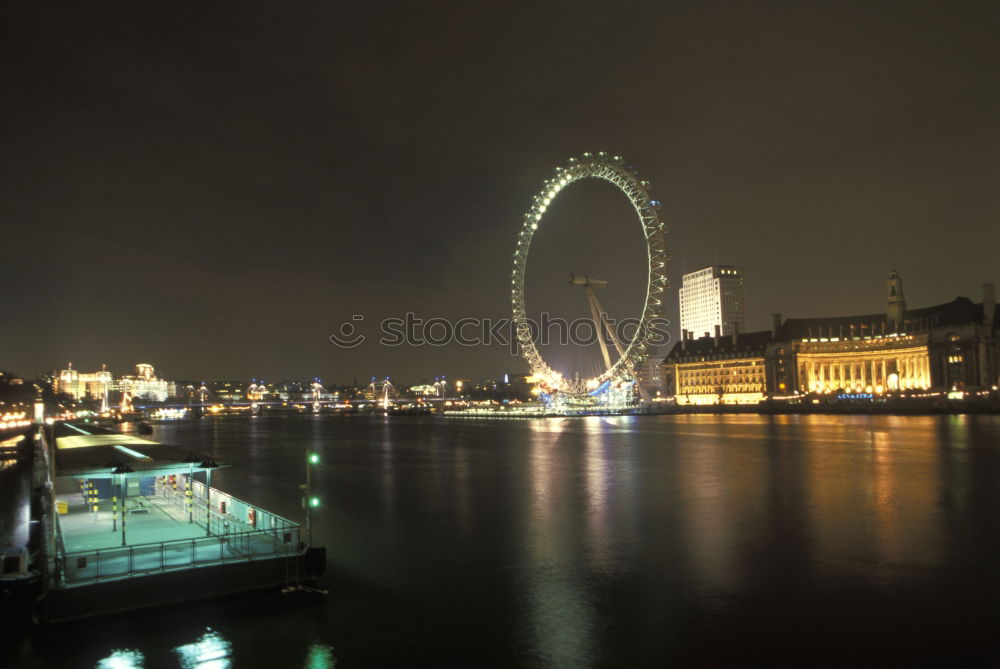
(131, 527)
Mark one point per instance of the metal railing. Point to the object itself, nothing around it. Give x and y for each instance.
(176, 504)
(108, 564)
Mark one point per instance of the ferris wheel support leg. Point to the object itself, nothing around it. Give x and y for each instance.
(599, 323)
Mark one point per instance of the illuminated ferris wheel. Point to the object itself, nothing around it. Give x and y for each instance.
(631, 353)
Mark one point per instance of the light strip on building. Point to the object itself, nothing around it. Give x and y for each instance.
(135, 454)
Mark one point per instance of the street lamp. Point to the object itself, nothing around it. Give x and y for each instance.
(208, 465)
(308, 500)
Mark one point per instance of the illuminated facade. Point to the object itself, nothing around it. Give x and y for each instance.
(257, 391)
(229, 391)
(897, 362)
(710, 297)
(945, 348)
(144, 384)
(79, 386)
(720, 370)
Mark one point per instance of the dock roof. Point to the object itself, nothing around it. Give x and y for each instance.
(91, 452)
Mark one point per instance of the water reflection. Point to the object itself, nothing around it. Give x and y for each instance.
(544, 532)
(462, 480)
(846, 495)
(874, 486)
(622, 541)
(125, 658)
(708, 515)
(884, 496)
(598, 475)
(320, 656)
(211, 651)
(610, 489)
(388, 464)
(560, 614)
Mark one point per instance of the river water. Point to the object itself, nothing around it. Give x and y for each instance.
(716, 540)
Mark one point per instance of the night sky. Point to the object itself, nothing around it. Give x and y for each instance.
(214, 187)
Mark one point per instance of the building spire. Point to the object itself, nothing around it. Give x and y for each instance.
(896, 305)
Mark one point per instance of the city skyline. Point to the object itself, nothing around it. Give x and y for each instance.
(423, 376)
(219, 195)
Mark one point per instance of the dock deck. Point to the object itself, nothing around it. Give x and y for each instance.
(83, 530)
(134, 507)
(163, 534)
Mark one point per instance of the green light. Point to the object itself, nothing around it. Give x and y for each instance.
(314, 501)
(320, 657)
(313, 458)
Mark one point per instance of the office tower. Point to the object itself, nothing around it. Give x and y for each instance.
(712, 296)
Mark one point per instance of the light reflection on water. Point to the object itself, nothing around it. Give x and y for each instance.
(707, 527)
(211, 651)
(320, 656)
(598, 472)
(628, 541)
(123, 658)
(558, 608)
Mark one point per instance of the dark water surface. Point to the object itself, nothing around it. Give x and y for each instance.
(624, 541)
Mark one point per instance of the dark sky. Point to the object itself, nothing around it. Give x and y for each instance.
(214, 187)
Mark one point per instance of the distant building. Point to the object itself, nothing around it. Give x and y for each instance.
(229, 391)
(650, 375)
(437, 389)
(710, 297)
(145, 385)
(10, 379)
(720, 370)
(258, 391)
(946, 347)
(82, 385)
(381, 390)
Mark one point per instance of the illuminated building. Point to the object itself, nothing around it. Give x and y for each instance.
(229, 391)
(144, 384)
(719, 370)
(942, 348)
(710, 297)
(78, 386)
(651, 376)
(9, 379)
(877, 364)
(945, 347)
(257, 391)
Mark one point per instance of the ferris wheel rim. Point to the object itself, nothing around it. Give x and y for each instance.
(624, 177)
